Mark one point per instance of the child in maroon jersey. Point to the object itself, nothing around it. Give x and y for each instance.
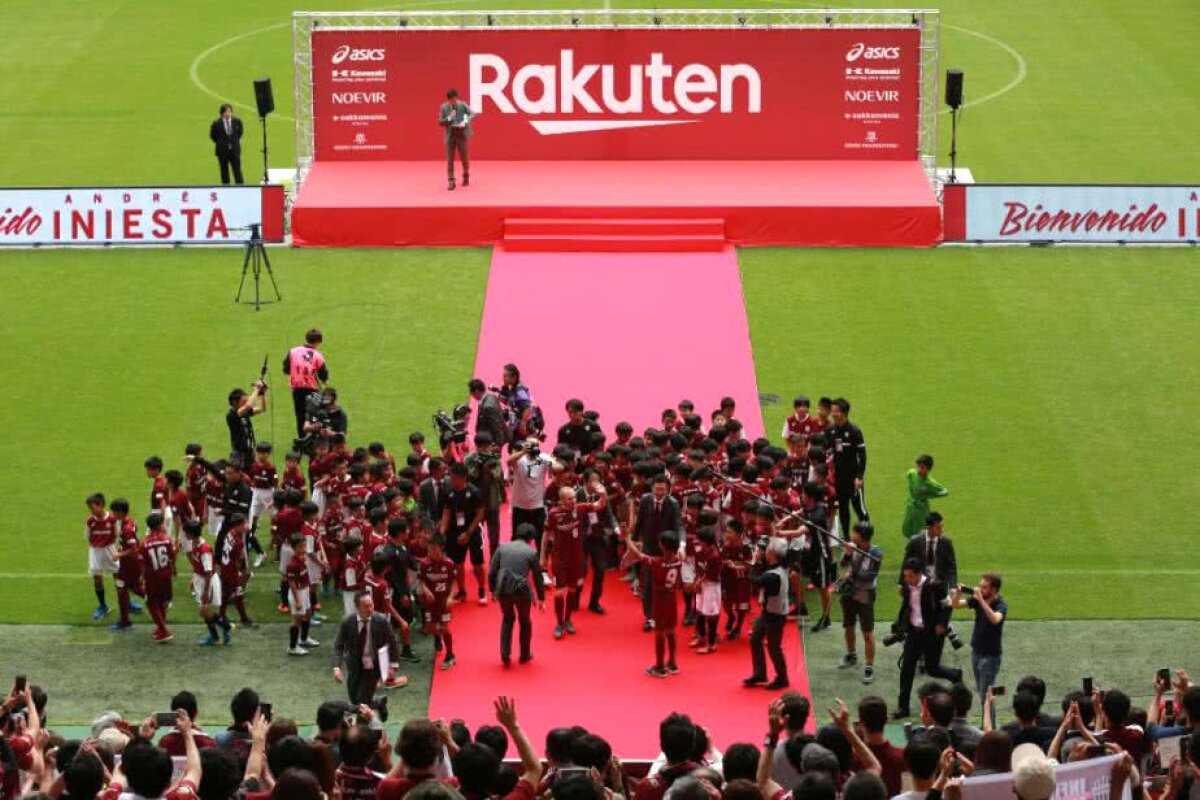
(691, 524)
(177, 501)
(157, 554)
(708, 588)
(206, 584)
(195, 479)
(100, 530)
(663, 571)
(214, 495)
(299, 601)
(293, 476)
(158, 485)
(437, 576)
(262, 477)
(234, 568)
(333, 526)
(351, 572)
(736, 559)
(129, 567)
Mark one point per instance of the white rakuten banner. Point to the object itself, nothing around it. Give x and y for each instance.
(114, 215)
(1078, 780)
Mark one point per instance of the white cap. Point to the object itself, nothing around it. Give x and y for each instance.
(1033, 773)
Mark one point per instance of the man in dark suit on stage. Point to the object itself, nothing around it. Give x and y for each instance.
(226, 134)
(923, 618)
(656, 512)
(455, 118)
(360, 637)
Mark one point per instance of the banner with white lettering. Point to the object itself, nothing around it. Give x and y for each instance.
(143, 215)
(1078, 780)
(1095, 214)
(620, 93)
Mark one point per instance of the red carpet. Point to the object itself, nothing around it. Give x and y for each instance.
(819, 203)
(596, 679)
(640, 316)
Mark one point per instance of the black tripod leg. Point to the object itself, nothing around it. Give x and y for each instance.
(270, 272)
(245, 265)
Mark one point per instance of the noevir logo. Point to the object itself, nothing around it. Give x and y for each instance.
(348, 53)
(860, 50)
(602, 100)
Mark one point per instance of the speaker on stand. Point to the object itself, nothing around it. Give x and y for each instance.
(954, 99)
(265, 101)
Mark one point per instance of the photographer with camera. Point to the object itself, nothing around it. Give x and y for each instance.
(528, 466)
(240, 419)
(990, 613)
(306, 370)
(522, 418)
(323, 418)
(921, 626)
(857, 589)
(489, 414)
(485, 471)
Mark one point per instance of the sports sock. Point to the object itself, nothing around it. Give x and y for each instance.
(240, 605)
(283, 593)
(559, 608)
(304, 631)
(294, 635)
(100, 596)
(712, 631)
(223, 621)
(670, 637)
(448, 638)
(437, 641)
(123, 602)
(659, 647)
(212, 629)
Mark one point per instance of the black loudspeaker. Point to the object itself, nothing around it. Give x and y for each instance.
(954, 88)
(266, 100)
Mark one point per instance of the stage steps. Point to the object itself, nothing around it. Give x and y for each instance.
(614, 234)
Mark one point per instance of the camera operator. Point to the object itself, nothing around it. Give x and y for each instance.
(990, 613)
(489, 415)
(527, 466)
(857, 588)
(485, 471)
(323, 418)
(306, 370)
(518, 402)
(921, 625)
(242, 409)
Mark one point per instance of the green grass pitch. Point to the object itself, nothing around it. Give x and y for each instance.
(1056, 387)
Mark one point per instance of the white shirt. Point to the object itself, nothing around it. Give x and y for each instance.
(529, 482)
(912, 794)
(914, 604)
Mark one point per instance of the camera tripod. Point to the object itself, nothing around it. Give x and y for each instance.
(254, 261)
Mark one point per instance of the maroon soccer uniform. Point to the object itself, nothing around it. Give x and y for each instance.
(129, 567)
(181, 507)
(232, 560)
(664, 584)
(708, 563)
(262, 476)
(735, 585)
(214, 492)
(564, 534)
(158, 494)
(332, 526)
(381, 592)
(102, 531)
(196, 481)
(350, 575)
(289, 520)
(293, 478)
(158, 562)
(806, 427)
(437, 576)
(297, 576)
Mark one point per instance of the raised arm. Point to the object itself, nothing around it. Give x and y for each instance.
(506, 715)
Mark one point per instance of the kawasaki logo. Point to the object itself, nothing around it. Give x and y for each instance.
(610, 102)
(348, 53)
(860, 50)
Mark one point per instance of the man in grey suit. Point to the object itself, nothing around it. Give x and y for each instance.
(514, 577)
(356, 651)
(656, 512)
(455, 118)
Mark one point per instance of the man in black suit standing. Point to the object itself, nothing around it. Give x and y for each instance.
(935, 551)
(923, 618)
(226, 134)
(656, 512)
(360, 637)
(431, 494)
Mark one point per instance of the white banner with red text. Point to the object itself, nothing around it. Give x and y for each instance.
(1093, 214)
(1078, 780)
(111, 215)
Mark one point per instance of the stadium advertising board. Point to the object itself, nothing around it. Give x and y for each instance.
(1091, 214)
(620, 93)
(106, 215)
(1078, 780)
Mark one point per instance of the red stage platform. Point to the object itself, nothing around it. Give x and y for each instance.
(813, 203)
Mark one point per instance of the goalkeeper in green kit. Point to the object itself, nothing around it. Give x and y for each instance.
(921, 489)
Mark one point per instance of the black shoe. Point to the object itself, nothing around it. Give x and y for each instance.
(821, 625)
(778, 683)
(648, 626)
(689, 619)
(901, 713)
(754, 680)
(802, 610)
(506, 661)
(450, 186)
(596, 608)
(381, 708)
(525, 659)
(956, 643)
(466, 181)
(656, 672)
(672, 669)
(408, 655)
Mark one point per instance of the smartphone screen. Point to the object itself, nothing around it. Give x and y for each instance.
(165, 719)
(1087, 686)
(265, 708)
(19, 684)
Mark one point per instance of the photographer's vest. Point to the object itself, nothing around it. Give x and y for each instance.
(778, 602)
(303, 364)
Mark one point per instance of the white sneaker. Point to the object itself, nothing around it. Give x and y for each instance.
(297, 651)
(258, 560)
(310, 642)
(483, 601)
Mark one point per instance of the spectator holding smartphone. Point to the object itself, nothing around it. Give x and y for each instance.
(987, 635)
(1187, 708)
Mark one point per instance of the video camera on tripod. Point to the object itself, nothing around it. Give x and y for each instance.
(318, 423)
